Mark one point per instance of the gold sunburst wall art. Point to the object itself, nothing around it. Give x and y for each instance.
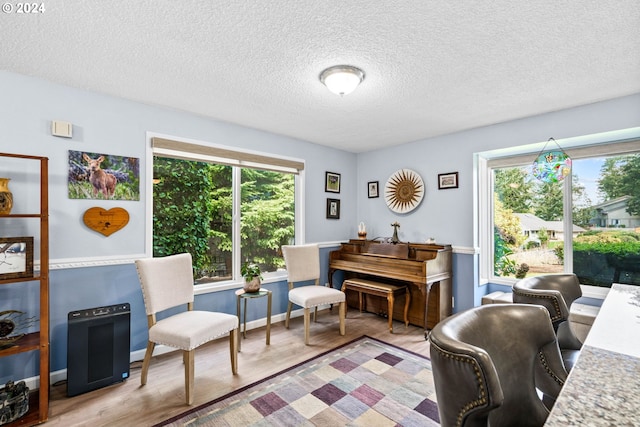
(404, 191)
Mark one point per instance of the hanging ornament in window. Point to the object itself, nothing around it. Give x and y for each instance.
(552, 165)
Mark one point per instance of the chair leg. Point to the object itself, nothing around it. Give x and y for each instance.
(390, 310)
(342, 314)
(315, 314)
(189, 366)
(146, 362)
(233, 348)
(286, 320)
(307, 319)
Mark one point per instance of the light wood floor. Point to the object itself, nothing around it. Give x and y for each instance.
(129, 404)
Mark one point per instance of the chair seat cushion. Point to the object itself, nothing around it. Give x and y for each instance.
(190, 329)
(313, 296)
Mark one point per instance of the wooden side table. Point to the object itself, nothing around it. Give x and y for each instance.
(242, 295)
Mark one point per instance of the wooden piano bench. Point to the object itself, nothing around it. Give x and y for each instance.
(380, 289)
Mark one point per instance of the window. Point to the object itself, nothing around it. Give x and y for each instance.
(588, 224)
(225, 207)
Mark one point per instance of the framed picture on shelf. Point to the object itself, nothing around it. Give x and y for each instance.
(447, 180)
(332, 182)
(372, 188)
(16, 257)
(333, 209)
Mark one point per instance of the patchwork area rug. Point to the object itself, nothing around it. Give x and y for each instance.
(363, 383)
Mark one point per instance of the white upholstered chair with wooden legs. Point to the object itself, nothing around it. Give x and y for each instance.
(168, 282)
(303, 265)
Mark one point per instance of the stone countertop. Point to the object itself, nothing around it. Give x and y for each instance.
(603, 387)
(602, 390)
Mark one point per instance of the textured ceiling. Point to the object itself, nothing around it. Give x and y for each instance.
(432, 66)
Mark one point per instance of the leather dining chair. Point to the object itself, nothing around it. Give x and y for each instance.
(303, 265)
(555, 292)
(166, 283)
(488, 363)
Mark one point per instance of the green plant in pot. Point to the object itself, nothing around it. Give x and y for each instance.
(252, 277)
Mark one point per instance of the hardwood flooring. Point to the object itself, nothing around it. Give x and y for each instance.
(130, 404)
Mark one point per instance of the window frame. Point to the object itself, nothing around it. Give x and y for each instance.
(604, 144)
(177, 147)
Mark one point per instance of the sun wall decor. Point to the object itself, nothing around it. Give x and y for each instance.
(404, 191)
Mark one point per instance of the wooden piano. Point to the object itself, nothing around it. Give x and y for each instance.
(426, 268)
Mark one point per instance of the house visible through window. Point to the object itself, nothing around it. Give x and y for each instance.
(223, 207)
(588, 224)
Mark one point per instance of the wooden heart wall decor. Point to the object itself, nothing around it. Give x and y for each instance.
(104, 221)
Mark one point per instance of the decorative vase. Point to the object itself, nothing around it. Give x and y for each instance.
(6, 198)
(252, 285)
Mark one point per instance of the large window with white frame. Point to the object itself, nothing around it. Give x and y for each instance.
(226, 207)
(588, 223)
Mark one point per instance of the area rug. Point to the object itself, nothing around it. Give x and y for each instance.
(366, 382)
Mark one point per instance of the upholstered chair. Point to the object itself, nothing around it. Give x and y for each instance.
(303, 265)
(166, 283)
(555, 292)
(488, 361)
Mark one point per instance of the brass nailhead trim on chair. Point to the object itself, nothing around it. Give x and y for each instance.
(556, 305)
(543, 360)
(482, 395)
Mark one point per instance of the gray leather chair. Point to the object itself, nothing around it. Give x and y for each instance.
(555, 292)
(488, 361)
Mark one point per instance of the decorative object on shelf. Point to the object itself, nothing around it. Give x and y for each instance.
(6, 198)
(252, 277)
(372, 188)
(333, 208)
(12, 321)
(16, 257)
(14, 401)
(394, 238)
(362, 231)
(404, 191)
(342, 79)
(332, 182)
(553, 165)
(104, 221)
(447, 180)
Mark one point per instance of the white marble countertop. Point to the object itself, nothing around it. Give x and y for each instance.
(603, 387)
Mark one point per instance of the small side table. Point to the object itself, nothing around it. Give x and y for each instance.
(241, 294)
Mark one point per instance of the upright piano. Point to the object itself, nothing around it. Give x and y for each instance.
(424, 267)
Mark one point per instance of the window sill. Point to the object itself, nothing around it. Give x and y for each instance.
(274, 277)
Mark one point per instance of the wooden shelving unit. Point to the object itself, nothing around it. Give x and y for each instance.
(36, 341)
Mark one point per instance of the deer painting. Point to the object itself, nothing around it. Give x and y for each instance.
(102, 181)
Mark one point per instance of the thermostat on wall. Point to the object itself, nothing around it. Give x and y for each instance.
(63, 129)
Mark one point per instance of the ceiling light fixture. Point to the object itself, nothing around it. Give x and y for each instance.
(342, 79)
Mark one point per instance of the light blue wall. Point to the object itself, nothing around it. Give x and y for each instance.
(105, 124)
(447, 215)
(118, 126)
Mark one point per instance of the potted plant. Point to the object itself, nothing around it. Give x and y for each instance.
(252, 277)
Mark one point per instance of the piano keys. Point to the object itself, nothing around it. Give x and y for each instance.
(425, 268)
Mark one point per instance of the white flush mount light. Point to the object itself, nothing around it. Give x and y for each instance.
(342, 79)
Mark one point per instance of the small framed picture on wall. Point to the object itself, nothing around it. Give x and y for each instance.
(332, 182)
(333, 209)
(447, 180)
(372, 188)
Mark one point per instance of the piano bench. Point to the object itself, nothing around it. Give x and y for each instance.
(380, 289)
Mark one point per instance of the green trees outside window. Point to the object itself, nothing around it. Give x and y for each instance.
(193, 212)
(605, 236)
